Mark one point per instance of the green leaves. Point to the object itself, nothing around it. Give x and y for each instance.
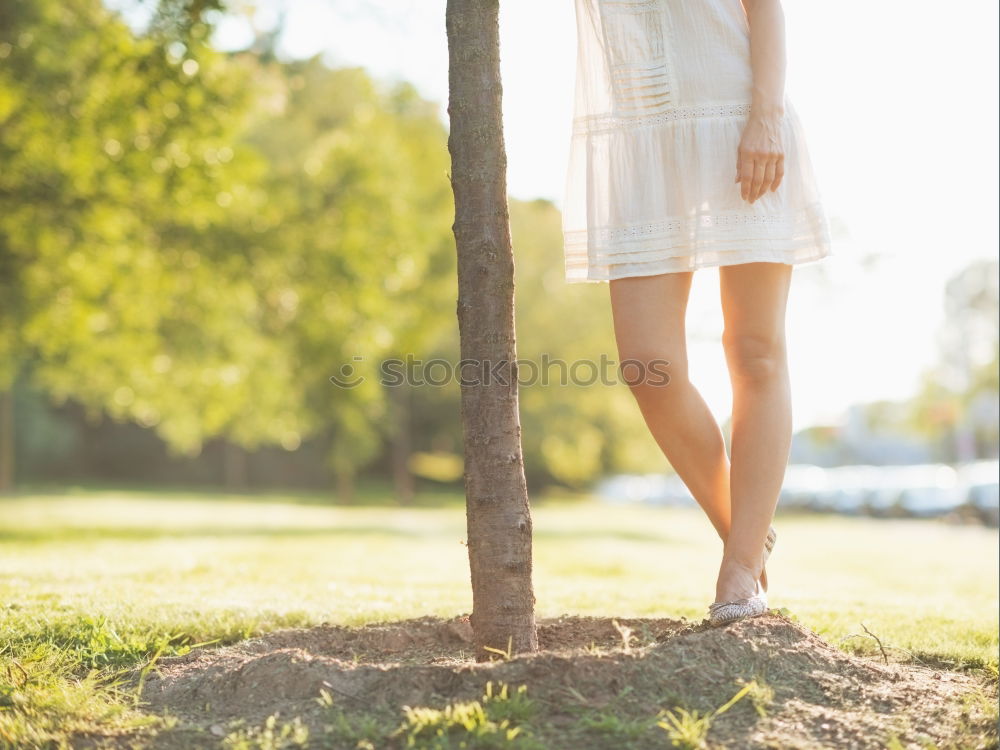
(196, 241)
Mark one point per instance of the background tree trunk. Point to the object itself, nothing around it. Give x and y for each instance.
(401, 444)
(497, 510)
(234, 464)
(7, 441)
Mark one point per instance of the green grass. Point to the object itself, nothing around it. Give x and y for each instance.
(493, 722)
(96, 583)
(689, 729)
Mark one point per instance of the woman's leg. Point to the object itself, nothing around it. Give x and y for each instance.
(754, 297)
(649, 326)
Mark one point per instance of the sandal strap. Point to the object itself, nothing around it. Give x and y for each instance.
(739, 602)
(769, 540)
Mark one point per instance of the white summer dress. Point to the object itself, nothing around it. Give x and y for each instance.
(663, 90)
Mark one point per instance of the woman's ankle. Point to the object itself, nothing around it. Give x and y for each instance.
(737, 580)
(752, 564)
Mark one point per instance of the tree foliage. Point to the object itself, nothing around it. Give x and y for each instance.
(197, 241)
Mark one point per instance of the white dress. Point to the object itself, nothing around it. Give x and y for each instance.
(663, 90)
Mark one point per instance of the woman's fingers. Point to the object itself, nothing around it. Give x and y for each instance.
(779, 173)
(753, 177)
(769, 172)
(747, 169)
(759, 174)
(760, 157)
(759, 170)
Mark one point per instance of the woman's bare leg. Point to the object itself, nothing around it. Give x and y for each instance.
(754, 297)
(649, 323)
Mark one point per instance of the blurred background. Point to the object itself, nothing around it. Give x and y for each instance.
(207, 209)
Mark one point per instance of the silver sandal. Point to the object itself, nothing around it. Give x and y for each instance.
(769, 540)
(720, 613)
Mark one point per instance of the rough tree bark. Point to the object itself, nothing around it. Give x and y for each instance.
(498, 515)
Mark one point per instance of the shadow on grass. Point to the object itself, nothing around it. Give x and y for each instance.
(369, 494)
(138, 533)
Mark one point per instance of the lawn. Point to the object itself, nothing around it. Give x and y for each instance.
(95, 583)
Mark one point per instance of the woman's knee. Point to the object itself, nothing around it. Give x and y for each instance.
(755, 357)
(652, 374)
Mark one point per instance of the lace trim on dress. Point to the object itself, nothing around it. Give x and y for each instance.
(696, 242)
(593, 124)
(803, 251)
(611, 240)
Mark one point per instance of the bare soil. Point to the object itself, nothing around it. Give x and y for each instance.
(822, 696)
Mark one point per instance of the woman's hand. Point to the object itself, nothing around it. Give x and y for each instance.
(760, 161)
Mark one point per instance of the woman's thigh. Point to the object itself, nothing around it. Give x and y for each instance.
(754, 300)
(648, 314)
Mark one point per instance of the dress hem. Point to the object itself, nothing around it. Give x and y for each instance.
(705, 259)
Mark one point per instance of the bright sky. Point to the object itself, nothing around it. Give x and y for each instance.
(899, 104)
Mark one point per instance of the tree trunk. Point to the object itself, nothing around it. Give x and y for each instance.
(345, 486)
(401, 444)
(6, 441)
(498, 515)
(234, 462)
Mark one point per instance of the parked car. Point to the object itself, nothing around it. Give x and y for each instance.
(880, 501)
(971, 491)
(803, 484)
(981, 483)
(650, 489)
(930, 500)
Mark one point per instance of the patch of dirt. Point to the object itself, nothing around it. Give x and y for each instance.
(821, 695)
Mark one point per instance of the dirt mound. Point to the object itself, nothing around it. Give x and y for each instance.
(813, 694)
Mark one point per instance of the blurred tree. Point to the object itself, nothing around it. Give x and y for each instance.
(958, 401)
(969, 336)
(119, 165)
(197, 242)
(356, 227)
(182, 19)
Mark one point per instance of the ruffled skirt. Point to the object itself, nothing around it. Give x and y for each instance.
(663, 198)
